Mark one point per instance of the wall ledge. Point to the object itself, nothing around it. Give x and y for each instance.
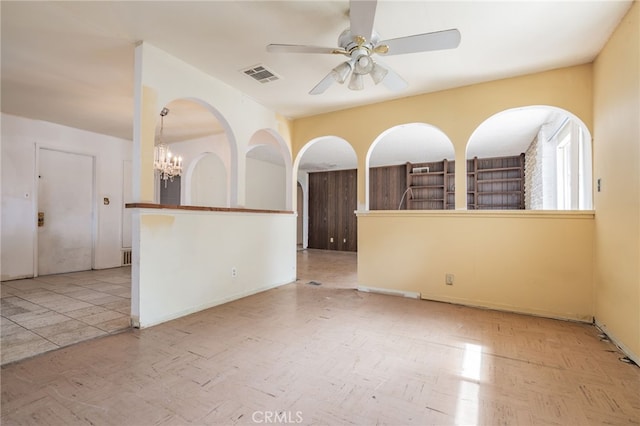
(202, 208)
(500, 214)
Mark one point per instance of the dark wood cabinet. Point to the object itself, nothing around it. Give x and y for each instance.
(332, 205)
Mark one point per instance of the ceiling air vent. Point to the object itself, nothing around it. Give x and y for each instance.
(261, 74)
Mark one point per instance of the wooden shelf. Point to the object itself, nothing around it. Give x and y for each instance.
(498, 169)
(426, 186)
(519, 179)
(502, 186)
(498, 182)
(428, 174)
(482, 193)
(429, 187)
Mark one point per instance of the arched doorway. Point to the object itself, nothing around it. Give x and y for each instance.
(327, 166)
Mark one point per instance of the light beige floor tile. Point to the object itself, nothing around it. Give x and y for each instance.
(101, 317)
(38, 319)
(22, 344)
(107, 299)
(123, 306)
(85, 294)
(52, 330)
(9, 327)
(84, 312)
(69, 305)
(117, 324)
(75, 336)
(12, 306)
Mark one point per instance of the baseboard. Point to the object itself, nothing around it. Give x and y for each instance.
(612, 337)
(207, 305)
(389, 292)
(481, 304)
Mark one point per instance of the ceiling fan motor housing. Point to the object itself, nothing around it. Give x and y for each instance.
(348, 41)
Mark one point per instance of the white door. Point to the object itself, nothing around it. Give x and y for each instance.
(65, 202)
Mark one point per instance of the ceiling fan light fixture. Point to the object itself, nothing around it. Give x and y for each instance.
(364, 64)
(378, 73)
(357, 82)
(341, 72)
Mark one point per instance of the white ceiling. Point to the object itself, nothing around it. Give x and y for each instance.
(72, 62)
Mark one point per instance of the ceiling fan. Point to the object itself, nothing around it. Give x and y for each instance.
(359, 42)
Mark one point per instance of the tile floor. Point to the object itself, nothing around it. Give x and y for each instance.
(329, 355)
(49, 312)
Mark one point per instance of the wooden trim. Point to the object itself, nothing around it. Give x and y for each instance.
(201, 208)
(501, 214)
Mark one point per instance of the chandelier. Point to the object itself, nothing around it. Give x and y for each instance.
(166, 163)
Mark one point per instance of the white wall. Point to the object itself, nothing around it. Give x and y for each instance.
(20, 139)
(208, 182)
(189, 256)
(192, 152)
(182, 261)
(266, 185)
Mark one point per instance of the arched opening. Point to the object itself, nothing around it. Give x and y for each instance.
(268, 172)
(208, 181)
(534, 158)
(196, 132)
(411, 167)
(327, 167)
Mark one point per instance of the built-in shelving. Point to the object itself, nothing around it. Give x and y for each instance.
(428, 190)
(495, 183)
(492, 184)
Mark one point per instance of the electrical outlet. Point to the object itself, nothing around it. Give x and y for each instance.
(331, 239)
(234, 272)
(448, 279)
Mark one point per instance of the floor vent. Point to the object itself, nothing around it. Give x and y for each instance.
(260, 74)
(126, 257)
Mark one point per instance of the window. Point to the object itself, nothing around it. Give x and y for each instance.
(573, 177)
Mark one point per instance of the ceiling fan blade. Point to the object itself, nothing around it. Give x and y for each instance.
(361, 16)
(323, 85)
(299, 48)
(439, 40)
(392, 80)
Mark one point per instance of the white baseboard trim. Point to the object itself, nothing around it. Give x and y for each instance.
(192, 310)
(634, 357)
(389, 292)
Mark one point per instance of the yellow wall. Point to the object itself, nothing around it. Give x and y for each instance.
(523, 261)
(574, 265)
(533, 262)
(457, 112)
(617, 160)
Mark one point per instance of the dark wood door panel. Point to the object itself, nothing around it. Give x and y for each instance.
(332, 203)
(318, 209)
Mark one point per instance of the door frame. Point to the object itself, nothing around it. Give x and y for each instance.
(36, 195)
